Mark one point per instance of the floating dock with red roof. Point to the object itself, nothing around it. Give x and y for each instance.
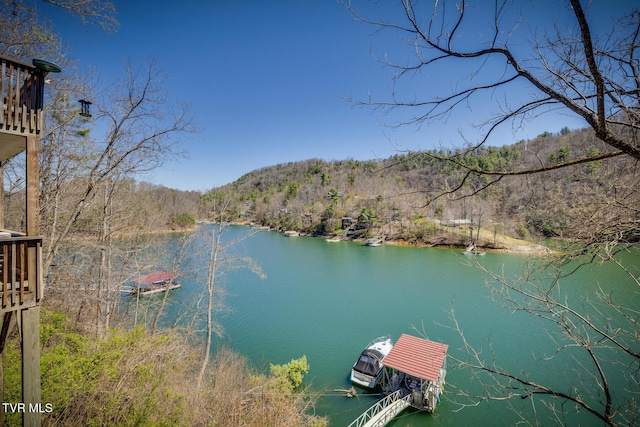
(154, 283)
(414, 374)
(416, 367)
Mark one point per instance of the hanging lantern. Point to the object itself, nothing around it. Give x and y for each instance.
(84, 108)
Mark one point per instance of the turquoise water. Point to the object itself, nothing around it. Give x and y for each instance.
(328, 300)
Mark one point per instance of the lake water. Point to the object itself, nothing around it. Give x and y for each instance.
(328, 300)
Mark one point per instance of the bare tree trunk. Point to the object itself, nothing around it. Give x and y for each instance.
(184, 249)
(218, 264)
(107, 251)
(216, 235)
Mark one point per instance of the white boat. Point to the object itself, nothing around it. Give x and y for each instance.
(367, 370)
(261, 227)
(476, 253)
(373, 242)
(471, 250)
(333, 240)
(291, 233)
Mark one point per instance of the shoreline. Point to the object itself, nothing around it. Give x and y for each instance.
(527, 248)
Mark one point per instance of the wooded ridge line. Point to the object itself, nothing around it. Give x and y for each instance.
(427, 198)
(441, 197)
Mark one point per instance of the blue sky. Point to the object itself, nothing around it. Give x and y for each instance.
(269, 83)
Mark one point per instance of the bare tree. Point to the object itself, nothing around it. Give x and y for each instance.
(572, 66)
(140, 135)
(25, 35)
(87, 172)
(220, 261)
(98, 12)
(212, 291)
(563, 67)
(596, 333)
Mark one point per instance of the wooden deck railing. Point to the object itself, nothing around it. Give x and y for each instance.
(20, 272)
(21, 94)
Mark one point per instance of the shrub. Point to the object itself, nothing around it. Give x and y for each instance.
(135, 378)
(288, 377)
(522, 231)
(182, 220)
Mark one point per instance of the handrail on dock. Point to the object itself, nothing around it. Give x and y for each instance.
(383, 411)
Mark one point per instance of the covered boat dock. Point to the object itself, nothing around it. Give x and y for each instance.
(418, 367)
(415, 371)
(153, 283)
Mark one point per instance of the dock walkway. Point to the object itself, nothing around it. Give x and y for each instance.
(383, 411)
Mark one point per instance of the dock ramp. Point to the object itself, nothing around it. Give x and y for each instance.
(383, 411)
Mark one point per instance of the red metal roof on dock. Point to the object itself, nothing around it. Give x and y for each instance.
(417, 356)
(158, 276)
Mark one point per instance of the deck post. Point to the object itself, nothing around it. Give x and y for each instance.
(1, 387)
(1, 196)
(5, 322)
(31, 396)
(33, 186)
(31, 317)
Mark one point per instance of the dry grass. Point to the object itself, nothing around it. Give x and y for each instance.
(240, 396)
(133, 378)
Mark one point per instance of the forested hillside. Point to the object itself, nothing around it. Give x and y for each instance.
(420, 196)
(142, 206)
(417, 197)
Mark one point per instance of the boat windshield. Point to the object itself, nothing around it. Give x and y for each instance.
(369, 362)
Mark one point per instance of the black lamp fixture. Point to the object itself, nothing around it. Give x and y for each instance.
(46, 66)
(84, 108)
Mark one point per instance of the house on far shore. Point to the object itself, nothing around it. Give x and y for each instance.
(347, 222)
(459, 223)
